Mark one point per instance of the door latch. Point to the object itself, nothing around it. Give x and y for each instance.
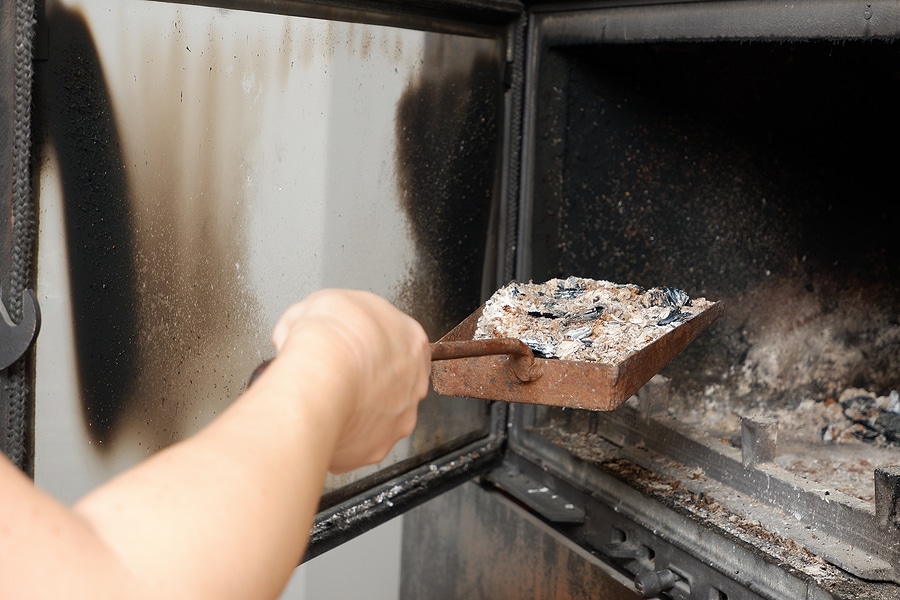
(16, 338)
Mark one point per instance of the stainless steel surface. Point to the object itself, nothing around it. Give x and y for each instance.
(239, 160)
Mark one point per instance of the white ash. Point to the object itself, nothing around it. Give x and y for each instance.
(585, 319)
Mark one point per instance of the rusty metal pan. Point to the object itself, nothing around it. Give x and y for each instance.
(506, 369)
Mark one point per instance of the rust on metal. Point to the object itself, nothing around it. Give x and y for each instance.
(475, 369)
(520, 358)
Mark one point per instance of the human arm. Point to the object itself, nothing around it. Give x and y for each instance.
(226, 513)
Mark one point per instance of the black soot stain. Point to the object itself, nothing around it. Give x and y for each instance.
(164, 323)
(77, 115)
(447, 137)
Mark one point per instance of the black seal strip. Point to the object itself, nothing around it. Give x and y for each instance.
(18, 236)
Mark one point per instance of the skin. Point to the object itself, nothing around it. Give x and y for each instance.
(227, 512)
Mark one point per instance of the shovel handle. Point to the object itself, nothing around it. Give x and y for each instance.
(486, 347)
(521, 357)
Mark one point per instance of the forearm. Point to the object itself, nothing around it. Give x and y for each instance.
(251, 481)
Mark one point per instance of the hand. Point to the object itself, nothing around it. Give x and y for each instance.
(381, 355)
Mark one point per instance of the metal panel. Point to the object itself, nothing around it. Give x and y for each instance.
(203, 167)
(476, 543)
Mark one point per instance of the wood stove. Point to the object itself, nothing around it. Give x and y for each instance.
(738, 150)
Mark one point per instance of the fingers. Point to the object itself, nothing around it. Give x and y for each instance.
(344, 460)
(384, 355)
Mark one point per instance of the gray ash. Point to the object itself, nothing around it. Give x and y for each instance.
(585, 319)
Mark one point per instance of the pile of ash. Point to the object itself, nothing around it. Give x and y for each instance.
(585, 319)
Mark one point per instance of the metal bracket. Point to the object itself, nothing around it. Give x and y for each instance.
(16, 339)
(547, 502)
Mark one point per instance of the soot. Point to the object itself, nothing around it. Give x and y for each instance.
(447, 143)
(75, 115)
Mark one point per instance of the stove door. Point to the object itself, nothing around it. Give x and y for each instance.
(203, 165)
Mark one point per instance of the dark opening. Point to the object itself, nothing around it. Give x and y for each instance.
(760, 174)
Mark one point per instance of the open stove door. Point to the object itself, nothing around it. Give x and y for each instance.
(201, 166)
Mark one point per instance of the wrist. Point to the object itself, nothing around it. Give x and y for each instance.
(312, 389)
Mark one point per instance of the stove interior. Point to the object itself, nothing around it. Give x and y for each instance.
(758, 174)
